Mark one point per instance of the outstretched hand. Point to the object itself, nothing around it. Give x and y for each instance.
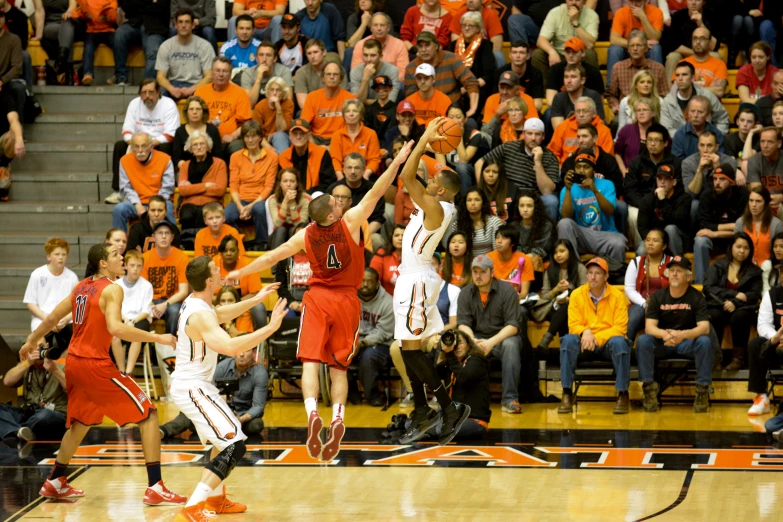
(266, 291)
(168, 340)
(278, 313)
(405, 151)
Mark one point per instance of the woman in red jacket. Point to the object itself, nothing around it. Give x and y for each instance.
(387, 261)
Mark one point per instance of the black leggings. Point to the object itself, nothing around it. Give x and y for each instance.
(759, 365)
(558, 321)
(740, 321)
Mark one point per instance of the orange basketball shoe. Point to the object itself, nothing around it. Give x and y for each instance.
(332, 446)
(160, 495)
(59, 488)
(195, 513)
(221, 504)
(314, 445)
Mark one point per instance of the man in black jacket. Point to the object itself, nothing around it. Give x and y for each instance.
(147, 23)
(668, 208)
(140, 235)
(640, 178)
(719, 209)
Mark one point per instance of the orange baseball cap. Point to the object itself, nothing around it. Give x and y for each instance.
(600, 262)
(575, 44)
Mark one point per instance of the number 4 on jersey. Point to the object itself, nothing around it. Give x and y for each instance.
(331, 258)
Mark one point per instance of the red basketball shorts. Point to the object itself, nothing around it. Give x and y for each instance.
(97, 389)
(329, 328)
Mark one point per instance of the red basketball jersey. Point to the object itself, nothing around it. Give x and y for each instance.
(336, 260)
(91, 338)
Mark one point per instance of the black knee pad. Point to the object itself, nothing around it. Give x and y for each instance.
(225, 462)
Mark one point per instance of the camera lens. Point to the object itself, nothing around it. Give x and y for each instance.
(448, 338)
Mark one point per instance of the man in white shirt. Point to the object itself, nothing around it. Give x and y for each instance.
(151, 113)
(48, 285)
(136, 309)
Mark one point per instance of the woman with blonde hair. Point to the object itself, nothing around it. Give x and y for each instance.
(354, 136)
(512, 128)
(274, 113)
(642, 86)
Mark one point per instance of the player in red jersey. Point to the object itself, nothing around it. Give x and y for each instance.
(95, 387)
(330, 308)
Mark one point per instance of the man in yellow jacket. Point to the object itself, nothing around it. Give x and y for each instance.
(597, 325)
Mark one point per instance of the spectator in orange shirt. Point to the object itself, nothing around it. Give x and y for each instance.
(164, 267)
(228, 295)
(323, 108)
(638, 14)
(512, 127)
(230, 258)
(274, 113)
(208, 238)
(710, 71)
(267, 15)
(492, 30)
(202, 180)
(564, 141)
(100, 17)
(253, 172)
(229, 106)
(428, 101)
(512, 266)
(508, 87)
(457, 256)
(355, 137)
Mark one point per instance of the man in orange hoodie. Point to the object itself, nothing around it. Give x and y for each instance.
(100, 17)
(564, 141)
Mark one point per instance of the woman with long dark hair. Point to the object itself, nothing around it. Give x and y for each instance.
(537, 232)
(770, 275)
(289, 205)
(732, 287)
(387, 260)
(565, 273)
(502, 194)
(475, 215)
(458, 256)
(759, 223)
(644, 276)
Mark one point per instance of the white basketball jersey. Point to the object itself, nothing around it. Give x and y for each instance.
(195, 361)
(418, 243)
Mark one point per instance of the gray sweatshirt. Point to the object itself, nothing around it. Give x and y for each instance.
(377, 323)
(672, 117)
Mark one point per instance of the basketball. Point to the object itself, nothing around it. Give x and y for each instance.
(451, 130)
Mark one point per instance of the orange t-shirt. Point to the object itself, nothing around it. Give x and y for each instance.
(492, 103)
(707, 72)
(366, 144)
(207, 244)
(428, 110)
(165, 273)
(267, 117)
(244, 323)
(253, 179)
(262, 5)
(231, 107)
(624, 22)
(506, 271)
(325, 114)
(250, 284)
(457, 269)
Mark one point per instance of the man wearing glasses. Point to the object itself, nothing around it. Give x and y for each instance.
(637, 15)
(710, 71)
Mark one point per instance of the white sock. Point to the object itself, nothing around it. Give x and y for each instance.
(217, 491)
(311, 405)
(200, 494)
(338, 412)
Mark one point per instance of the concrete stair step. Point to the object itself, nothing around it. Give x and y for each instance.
(18, 249)
(13, 279)
(74, 127)
(55, 217)
(15, 337)
(72, 99)
(44, 186)
(14, 313)
(83, 156)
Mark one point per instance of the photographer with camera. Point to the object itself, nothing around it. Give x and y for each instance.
(44, 402)
(248, 402)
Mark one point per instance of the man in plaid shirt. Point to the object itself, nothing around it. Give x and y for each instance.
(623, 72)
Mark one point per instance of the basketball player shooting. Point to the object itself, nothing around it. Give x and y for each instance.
(416, 291)
(331, 310)
(94, 385)
(200, 340)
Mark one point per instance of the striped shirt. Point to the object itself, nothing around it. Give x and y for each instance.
(483, 238)
(450, 75)
(520, 168)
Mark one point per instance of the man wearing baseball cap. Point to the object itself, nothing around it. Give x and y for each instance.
(495, 106)
(450, 73)
(569, 20)
(574, 55)
(597, 325)
(677, 324)
(406, 125)
(488, 311)
(563, 104)
(525, 164)
(290, 49)
(363, 75)
(530, 79)
(719, 210)
(668, 208)
(313, 162)
(164, 267)
(427, 100)
(587, 207)
(379, 116)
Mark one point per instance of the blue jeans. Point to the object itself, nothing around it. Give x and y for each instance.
(648, 348)
(45, 424)
(509, 352)
(91, 42)
(27, 69)
(347, 57)
(270, 32)
(616, 349)
(280, 141)
(372, 360)
(124, 38)
(621, 216)
(636, 321)
(500, 59)
(467, 173)
(775, 423)
(742, 29)
(701, 258)
(259, 218)
(175, 83)
(618, 54)
(125, 211)
(552, 204)
(769, 34)
(522, 27)
(171, 316)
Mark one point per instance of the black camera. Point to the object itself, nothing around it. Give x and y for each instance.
(227, 387)
(448, 338)
(50, 352)
(577, 179)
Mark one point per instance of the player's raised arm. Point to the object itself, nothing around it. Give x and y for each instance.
(113, 296)
(49, 322)
(361, 212)
(206, 325)
(228, 313)
(271, 258)
(429, 204)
